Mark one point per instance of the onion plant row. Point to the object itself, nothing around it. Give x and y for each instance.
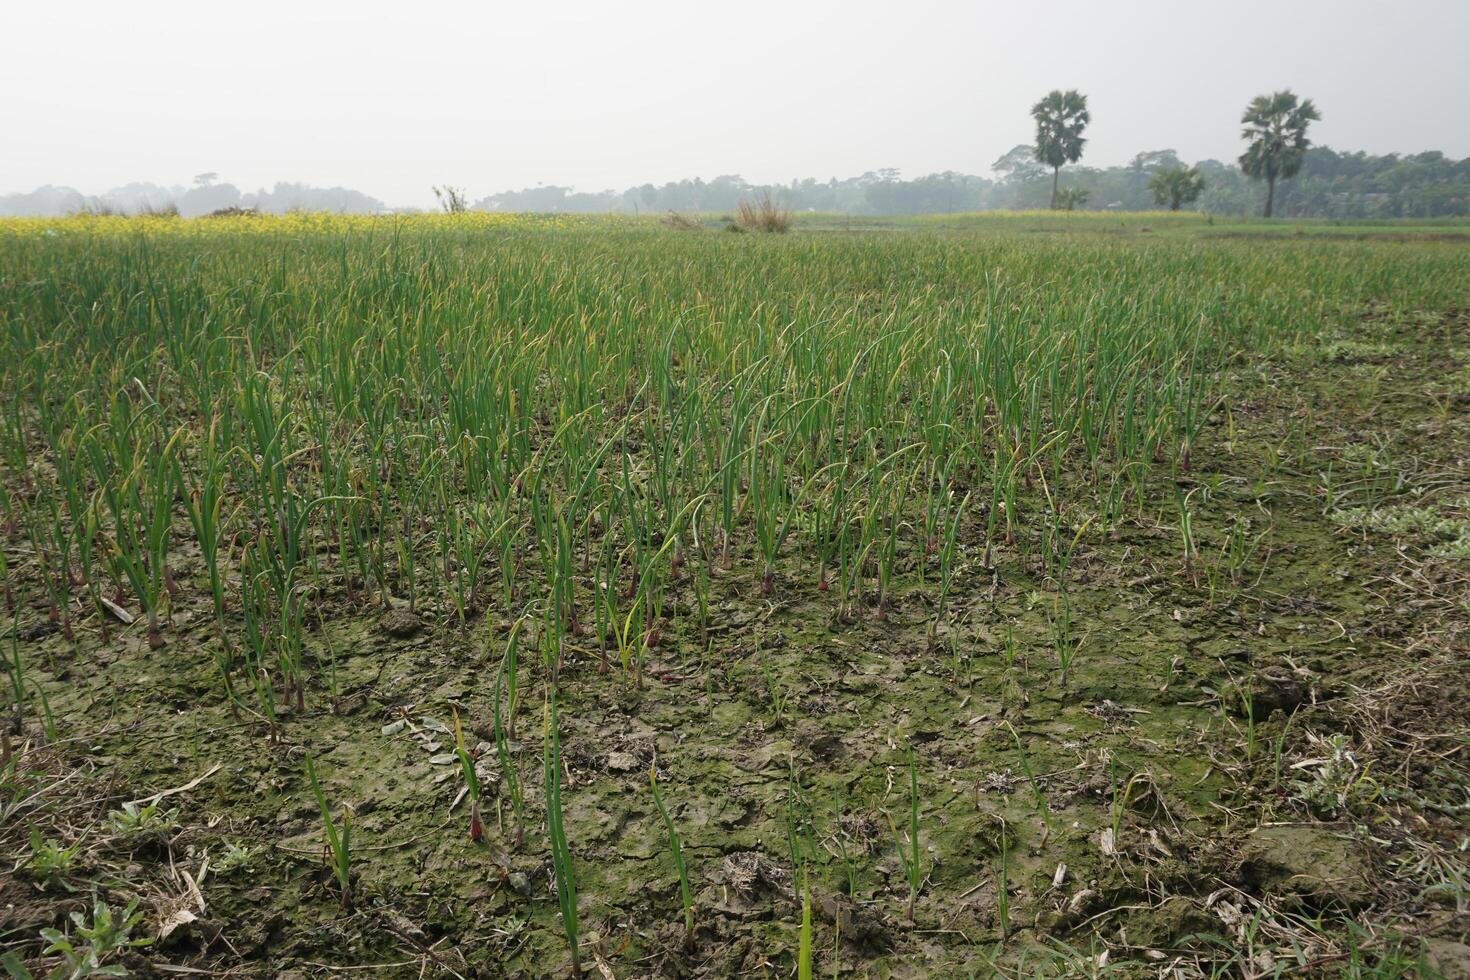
(596, 433)
(599, 425)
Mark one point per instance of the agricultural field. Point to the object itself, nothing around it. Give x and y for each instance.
(480, 595)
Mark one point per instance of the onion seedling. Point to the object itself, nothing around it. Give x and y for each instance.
(1064, 640)
(804, 941)
(561, 855)
(908, 852)
(947, 566)
(1003, 884)
(675, 849)
(1036, 793)
(471, 780)
(339, 837)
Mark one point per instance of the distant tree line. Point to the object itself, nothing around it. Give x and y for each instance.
(1329, 184)
(206, 196)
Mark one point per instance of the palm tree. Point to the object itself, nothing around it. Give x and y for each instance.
(1276, 126)
(1177, 186)
(1060, 118)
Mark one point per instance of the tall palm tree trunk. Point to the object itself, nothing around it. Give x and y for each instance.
(1055, 173)
(1270, 194)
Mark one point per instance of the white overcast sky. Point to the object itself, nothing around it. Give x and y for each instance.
(392, 97)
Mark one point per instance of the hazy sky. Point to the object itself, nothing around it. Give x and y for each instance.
(390, 98)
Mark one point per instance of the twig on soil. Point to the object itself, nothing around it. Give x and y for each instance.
(150, 800)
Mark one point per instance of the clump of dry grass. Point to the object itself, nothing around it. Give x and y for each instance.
(452, 199)
(106, 209)
(682, 222)
(233, 212)
(764, 215)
